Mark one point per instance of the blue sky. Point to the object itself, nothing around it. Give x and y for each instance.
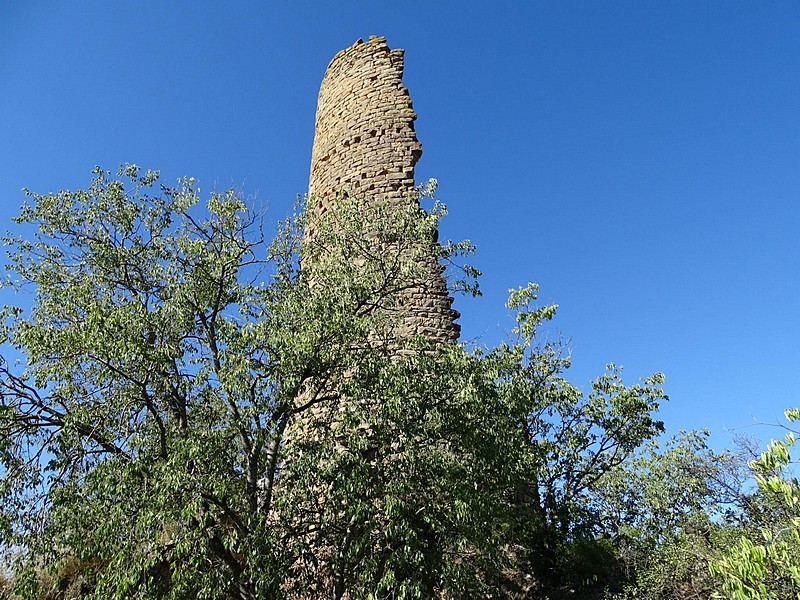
(639, 160)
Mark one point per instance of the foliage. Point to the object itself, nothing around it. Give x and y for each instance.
(167, 349)
(764, 563)
(688, 527)
(661, 493)
(664, 510)
(572, 439)
(570, 442)
(194, 414)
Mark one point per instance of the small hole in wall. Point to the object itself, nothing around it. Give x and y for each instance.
(356, 139)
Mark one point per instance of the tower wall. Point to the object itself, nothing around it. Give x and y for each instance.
(365, 146)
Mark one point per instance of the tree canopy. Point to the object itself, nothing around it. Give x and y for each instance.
(191, 408)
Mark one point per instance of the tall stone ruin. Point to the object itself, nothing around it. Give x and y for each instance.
(365, 146)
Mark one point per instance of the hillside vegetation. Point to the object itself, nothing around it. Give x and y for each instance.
(186, 413)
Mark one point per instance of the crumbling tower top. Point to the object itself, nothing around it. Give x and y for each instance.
(365, 146)
(364, 141)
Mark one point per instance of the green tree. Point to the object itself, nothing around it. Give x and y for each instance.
(193, 414)
(572, 439)
(568, 443)
(664, 511)
(763, 563)
(167, 349)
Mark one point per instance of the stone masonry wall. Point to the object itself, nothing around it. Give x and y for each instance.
(365, 145)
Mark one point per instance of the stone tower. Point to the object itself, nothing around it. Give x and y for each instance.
(365, 146)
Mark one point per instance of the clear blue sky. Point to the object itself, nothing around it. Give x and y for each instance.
(640, 160)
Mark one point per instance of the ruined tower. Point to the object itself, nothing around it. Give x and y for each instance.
(365, 146)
